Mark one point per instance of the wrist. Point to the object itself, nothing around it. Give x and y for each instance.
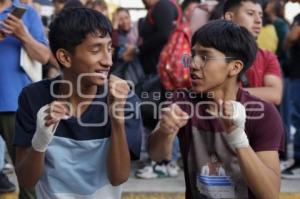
(237, 138)
(165, 132)
(117, 121)
(39, 142)
(25, 38)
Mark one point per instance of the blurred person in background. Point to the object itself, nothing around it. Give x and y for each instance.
(198, 12)
(98, 5)
(154, 32)
(27, 33)
(292, 43)
(5, 185)
(125, 35)
(263, 79)
(275, 11)
(267, 38)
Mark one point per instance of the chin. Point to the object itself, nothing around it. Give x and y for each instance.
(98, 81)
(199, 89)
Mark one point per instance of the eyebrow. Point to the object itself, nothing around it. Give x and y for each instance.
(260, 12)
(200, 51)
(99, 44)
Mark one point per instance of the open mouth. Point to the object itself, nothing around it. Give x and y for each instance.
(102, 73)
(195, 76)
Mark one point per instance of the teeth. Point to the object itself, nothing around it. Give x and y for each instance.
(102, 73)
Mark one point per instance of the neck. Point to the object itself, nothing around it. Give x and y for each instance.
(225, 93)
(76, 98)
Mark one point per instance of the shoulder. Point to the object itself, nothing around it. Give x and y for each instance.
(263, 124)
(31, 16)
(265, 53)
(41, 85)
(267, 57)
(254, 103)
(259, 111)
(39, 92)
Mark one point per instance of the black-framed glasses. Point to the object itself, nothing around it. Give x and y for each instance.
(200, 60)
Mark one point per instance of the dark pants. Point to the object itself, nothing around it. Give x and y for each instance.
(7, 129)
(295, 98)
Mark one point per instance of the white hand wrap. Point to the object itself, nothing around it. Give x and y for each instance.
(238, 138)
(43, 135)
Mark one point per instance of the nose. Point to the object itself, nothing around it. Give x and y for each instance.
(258, 19)
(106, 60)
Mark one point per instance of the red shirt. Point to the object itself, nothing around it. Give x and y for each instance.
(265, 63)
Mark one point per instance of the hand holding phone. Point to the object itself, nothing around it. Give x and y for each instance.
(13, 24)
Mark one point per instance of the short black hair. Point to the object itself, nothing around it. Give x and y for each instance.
(73, 4)
(233, 4)
(71, 26)
(229, 38)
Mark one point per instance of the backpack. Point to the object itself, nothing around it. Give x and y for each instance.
(173, 70)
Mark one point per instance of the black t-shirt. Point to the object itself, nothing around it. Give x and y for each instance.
(155, 31)
(294, 60)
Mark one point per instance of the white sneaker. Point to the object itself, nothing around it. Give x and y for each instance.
(8, 168)
(292, 173)
(161, 170)
(286, 164)
(172, 169)
(146, 172)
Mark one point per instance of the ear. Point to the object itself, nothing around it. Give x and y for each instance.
(228, 15)
(236, 67)
(64, 57)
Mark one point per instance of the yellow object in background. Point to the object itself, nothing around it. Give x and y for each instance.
(268, 39)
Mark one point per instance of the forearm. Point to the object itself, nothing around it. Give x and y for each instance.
(29, 168)
(263, 181)
(270, 94)
(35, 49)
(118, 159)
(160, 145)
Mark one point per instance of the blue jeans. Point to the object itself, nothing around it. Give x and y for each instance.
(175, 150)
(285, 109)
(2, 153)
(295, 99)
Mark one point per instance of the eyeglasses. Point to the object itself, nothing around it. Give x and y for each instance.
(200, 60)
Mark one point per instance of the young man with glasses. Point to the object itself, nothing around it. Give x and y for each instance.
(229, 139)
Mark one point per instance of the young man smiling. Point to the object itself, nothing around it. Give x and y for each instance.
(72, 139)
(229, 140)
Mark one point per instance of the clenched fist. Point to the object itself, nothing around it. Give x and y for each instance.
(48, 118)
(173, 118)
(232, 115)
(118, 90)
